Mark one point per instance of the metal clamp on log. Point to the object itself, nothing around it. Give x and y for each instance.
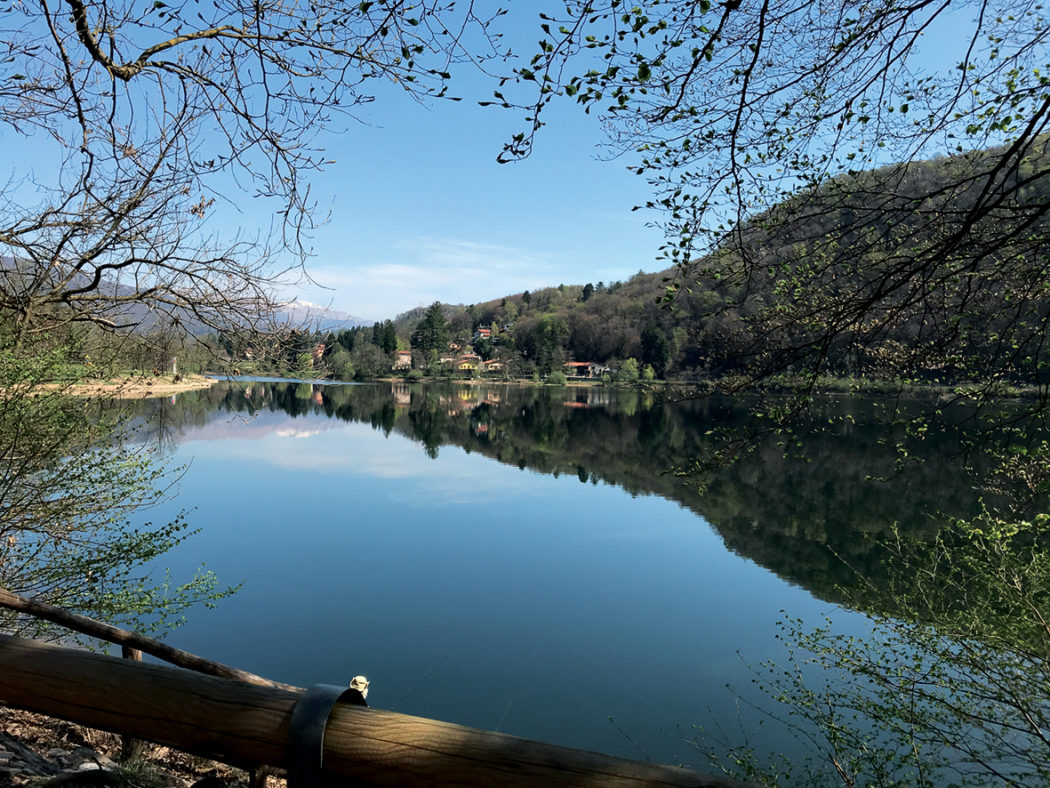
(307, 727)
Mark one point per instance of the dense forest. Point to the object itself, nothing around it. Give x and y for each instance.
(763, 315)
(787, 299)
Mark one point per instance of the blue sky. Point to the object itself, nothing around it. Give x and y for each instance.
(421, 210)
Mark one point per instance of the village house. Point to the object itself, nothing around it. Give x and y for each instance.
(403, 360)
(468, 362)
(584, 369)
(597, 370)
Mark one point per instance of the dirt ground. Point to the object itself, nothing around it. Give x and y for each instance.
(42, 751)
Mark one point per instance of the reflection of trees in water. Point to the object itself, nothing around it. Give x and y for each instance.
(430, 426)
(164, 419)
(814, 519)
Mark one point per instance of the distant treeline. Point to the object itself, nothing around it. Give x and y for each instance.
(780, 303)
(764, 315)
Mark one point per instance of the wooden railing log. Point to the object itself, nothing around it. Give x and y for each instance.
(247, 725)
(122, 637)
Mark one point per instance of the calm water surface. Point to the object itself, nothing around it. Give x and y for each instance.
(510, 559)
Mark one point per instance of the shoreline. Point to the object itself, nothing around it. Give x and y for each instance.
(826, 387)
(139, 387)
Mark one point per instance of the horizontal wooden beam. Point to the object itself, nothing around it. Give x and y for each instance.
(247, 725)
(122, 637)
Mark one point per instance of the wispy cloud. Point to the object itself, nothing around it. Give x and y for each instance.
(352, 450)
(423, 270)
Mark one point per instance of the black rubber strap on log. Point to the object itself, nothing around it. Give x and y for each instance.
(306, 731)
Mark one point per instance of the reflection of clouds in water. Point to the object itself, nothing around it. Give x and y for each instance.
(291, 432)
(347, 457)
(337, 448)
(256, 426)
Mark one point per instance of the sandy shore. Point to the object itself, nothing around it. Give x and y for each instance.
(141, 387)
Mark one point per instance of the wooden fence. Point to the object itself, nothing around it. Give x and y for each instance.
(247, 725)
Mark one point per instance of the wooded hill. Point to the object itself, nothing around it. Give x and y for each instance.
(793, 292)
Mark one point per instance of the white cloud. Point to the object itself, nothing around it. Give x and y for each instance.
(423, 270)
(298, 434)
(336, 448)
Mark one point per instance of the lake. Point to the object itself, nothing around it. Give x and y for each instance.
(522, 559)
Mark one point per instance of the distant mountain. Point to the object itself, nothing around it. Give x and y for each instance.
(109, 299)
(320, 318)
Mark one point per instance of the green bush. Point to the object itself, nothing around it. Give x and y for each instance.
(629, 372)
(76, 481)
(557, 378)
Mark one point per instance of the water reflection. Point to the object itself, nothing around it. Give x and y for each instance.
(387, 530)
(815, 520)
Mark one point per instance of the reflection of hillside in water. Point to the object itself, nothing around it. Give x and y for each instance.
(814, 521)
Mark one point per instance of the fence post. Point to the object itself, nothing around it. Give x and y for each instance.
(130, 747)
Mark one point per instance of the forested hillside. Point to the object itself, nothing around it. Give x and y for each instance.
(815, 261)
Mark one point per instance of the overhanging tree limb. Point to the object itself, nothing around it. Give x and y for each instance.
(122, 637)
